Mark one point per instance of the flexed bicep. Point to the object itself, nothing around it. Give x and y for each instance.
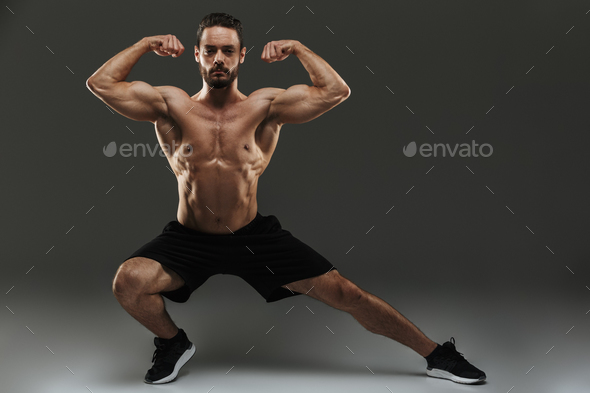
(301, 103)
(136, 100)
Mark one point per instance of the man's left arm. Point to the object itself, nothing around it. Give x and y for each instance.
(302, 103)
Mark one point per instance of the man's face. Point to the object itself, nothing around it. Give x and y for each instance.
(219, 56)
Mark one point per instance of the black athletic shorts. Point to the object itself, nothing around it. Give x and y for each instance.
(262, 253)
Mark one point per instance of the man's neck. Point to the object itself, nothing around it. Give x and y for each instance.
(218, 98)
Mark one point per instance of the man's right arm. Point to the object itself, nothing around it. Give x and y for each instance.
(136, 100)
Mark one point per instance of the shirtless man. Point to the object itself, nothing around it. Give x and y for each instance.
(226, 142)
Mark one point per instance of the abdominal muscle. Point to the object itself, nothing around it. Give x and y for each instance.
(217, 198)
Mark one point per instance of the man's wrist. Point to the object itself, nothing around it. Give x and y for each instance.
(144, 45)
(298, 47)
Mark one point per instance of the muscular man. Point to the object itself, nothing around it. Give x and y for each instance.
(224, 141)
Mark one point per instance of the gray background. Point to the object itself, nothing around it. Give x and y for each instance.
(454, 255)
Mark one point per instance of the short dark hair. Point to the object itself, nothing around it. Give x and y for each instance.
(220, 19)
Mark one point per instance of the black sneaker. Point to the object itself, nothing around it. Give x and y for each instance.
(445, 362)
(169, 356)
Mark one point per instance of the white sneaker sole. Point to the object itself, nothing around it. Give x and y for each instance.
(186, 356)
(436, 373)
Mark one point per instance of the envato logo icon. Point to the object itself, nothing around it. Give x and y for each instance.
(128, 150)
(465, 149)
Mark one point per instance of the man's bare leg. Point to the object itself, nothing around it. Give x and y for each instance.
(372, 312)
(137, 286)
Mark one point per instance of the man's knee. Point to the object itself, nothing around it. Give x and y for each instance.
(351, 295)
(131, 279)
(343, 293)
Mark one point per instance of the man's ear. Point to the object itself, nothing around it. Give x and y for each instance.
(242, 54)
(197, 53)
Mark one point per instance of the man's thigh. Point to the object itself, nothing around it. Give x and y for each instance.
(331, 288)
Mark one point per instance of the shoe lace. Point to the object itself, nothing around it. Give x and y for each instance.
(162, 354)
(454, 354)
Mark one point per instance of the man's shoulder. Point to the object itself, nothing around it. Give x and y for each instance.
(171, 91)
(266, 93)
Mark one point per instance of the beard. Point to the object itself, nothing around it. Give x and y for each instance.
(219, 81)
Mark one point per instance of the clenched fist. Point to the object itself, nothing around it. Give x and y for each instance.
(165, 45)
(278, 50)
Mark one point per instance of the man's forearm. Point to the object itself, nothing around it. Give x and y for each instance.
(118, 68)
(320, 72)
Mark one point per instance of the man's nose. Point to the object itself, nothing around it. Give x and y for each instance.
(218, 57)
